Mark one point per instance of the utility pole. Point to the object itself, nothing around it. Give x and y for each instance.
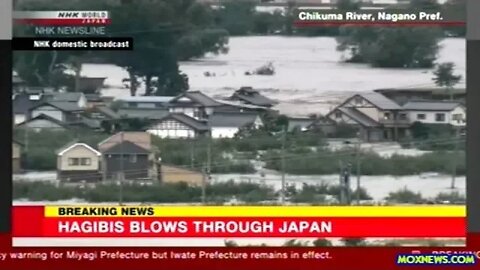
(192, 153)
(121, 174)
(454, 161)
(283, 191)
(204, 185)
(357, 161)
(209, 153)
(342, 184)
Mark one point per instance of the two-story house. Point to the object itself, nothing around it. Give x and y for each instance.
(377, 117)
(436, 112)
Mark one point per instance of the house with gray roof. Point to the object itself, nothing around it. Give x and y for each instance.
(177, 126)
(195, 104)
(128, 158)
(436, 112)
(228, 124)
(21, 104)
(43, 122)
(63, 111)
(377, 117)
(250, 96)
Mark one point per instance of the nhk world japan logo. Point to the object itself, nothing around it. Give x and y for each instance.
(436, 259)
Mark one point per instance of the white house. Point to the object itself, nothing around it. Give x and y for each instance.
(177, 126)
(228, 124)
(436, 112)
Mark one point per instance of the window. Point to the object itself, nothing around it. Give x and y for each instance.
(421, 116)
(85, 161)
(338, 115)
(402, 116)
(132, 104)
(457, 117)
(132, 158)
(79, 161)
(386, 116)
(440, 117)
(73, 161)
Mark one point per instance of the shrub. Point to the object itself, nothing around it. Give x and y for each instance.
(404, 196)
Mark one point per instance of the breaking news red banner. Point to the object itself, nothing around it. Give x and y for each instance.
(152, 222)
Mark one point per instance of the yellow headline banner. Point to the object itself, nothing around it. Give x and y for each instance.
(255, 211)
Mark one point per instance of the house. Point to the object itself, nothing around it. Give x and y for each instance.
(299, 123)
(16, 156)
(64, 111)
(141, 139)
(78, 162)
(129, 159)
(436, 112)
(22, 102)
(178, 125)
(194, 104)
(77, 99)
(250, 96)
(44, 122)
(377, 117)
(227, 125)
(174, 174)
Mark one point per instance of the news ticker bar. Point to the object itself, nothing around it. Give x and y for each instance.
(77, 221)
(94, 43)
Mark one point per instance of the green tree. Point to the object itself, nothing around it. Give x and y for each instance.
(392, 47)
(237, 17)
(322, 243)
(444, 77)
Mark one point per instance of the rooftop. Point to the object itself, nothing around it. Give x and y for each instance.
(147, 99)
(428, 105)
(126, 147)
(61, 105)
(187, 120)
(380, 101)
(224, 119)
(198, 97)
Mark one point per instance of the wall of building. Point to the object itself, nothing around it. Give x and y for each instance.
(171, 129)
(224, 132)
(79, 152)
(430, 117)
